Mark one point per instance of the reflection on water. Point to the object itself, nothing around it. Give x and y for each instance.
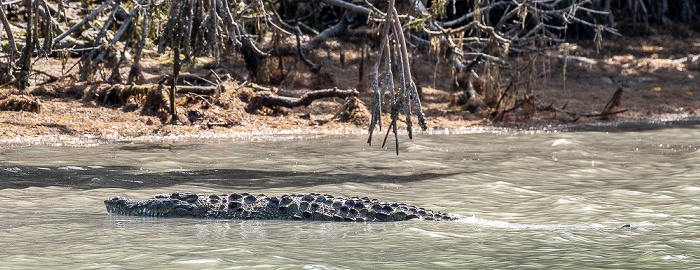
(555, 200)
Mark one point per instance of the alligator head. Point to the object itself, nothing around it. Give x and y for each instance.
(163, 205)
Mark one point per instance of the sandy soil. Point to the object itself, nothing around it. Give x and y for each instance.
(659, 75)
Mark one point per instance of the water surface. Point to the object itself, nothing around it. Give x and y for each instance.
(544, 200)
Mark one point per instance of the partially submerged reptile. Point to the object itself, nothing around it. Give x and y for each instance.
(295, 207)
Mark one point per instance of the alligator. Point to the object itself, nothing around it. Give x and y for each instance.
(291, 207)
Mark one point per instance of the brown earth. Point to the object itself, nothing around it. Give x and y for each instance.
(659, 77)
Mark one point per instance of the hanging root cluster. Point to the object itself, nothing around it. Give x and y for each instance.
(394, 54)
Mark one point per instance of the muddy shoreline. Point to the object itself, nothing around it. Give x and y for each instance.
(658, 76)
(43, 134)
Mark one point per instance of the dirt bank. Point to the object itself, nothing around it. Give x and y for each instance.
(659, 77)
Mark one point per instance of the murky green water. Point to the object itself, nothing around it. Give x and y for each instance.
(550, 200)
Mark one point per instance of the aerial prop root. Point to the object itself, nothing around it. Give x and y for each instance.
(393, 48)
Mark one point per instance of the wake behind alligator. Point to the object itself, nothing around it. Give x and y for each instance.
(294, 207)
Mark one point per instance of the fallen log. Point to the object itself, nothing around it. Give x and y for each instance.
(271, 100)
